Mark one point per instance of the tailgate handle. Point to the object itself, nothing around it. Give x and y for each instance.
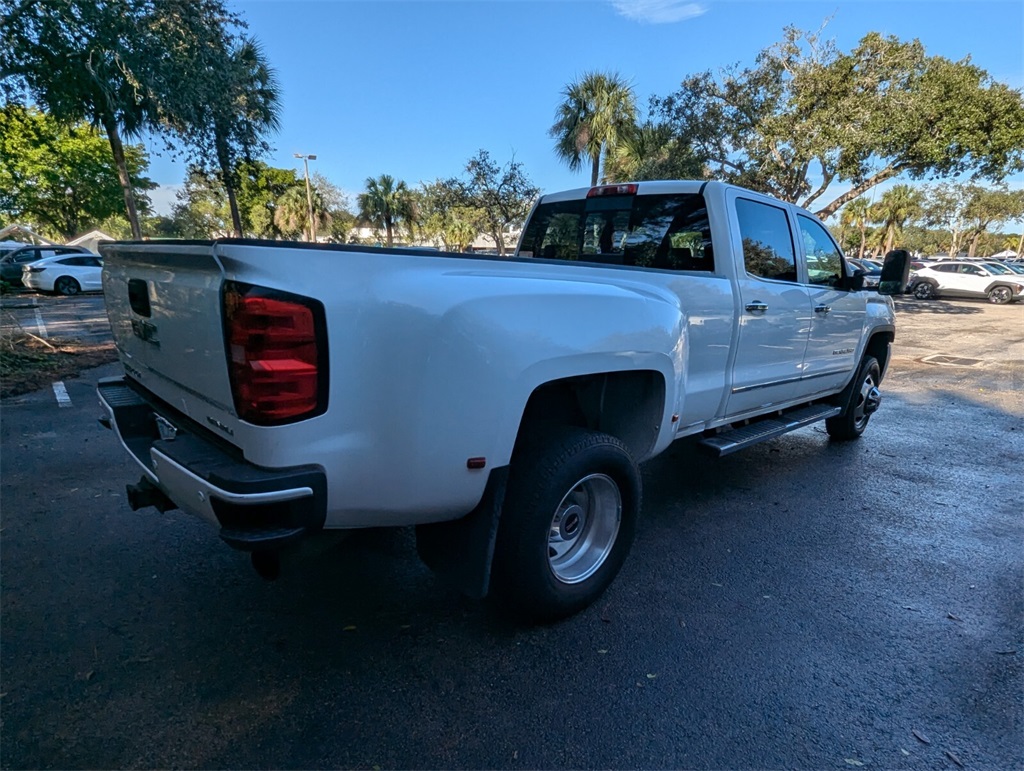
(138, 297)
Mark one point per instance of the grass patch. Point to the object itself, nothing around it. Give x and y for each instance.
(28, 363)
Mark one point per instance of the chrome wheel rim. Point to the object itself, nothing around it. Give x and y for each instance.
(584, 528)
(868, 401)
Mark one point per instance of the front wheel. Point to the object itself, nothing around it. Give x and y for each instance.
(924, 291)
(863, 400)
(567, 523)
(66, 285)
(1000, 295)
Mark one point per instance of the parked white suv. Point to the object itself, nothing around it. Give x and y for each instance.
(957, 278)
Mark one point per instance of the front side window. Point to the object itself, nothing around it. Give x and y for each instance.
(767, 242)
(824, 261)
(670, 232)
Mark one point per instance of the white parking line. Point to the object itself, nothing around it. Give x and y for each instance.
(40, 325)
(63, 400)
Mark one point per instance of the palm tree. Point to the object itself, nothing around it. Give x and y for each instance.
(855, 214)
(595, 113)
(387, 204)
(649, 151)
(244, 115)
(291, 212)
(896, 206)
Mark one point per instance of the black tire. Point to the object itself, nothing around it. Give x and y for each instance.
(67, 286)
(925, 290)
(861, 403)
(558, 545)
(1000, 295)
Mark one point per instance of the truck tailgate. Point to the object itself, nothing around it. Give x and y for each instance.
(165, 310)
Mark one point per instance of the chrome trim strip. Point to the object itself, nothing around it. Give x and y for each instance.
(277, 496)
(789, 381)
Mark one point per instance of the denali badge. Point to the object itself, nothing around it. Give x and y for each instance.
(842, 351)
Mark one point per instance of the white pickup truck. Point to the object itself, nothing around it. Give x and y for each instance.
(501, 405)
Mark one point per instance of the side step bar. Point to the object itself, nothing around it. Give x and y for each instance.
(768, 428)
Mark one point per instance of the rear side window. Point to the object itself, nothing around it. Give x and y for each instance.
(670, 232)
(767, 242)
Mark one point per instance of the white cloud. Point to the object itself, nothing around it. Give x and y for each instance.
(658, 11)
(163, 198)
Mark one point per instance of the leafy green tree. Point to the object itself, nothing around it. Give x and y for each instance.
(945, 206)
(386, 205)
(218, 91)
(84, 60)
(337, 220)
(894, 209)
(596, 111)
(502, 194)
(987, 207)
(203, 209)
(807, 117)
(61, 178)
(650, 151)
(446, 215)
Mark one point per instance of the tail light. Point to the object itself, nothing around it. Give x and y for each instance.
(277, 354)
(629, 189)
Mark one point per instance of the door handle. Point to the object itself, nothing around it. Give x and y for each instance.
(757, 305)
(822, 308)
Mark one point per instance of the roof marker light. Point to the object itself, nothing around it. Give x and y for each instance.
(612, 190)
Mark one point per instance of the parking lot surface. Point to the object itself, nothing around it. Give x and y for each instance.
(804, 604)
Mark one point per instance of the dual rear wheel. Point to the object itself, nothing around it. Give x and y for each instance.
(567, 523)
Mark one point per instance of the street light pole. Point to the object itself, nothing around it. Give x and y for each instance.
(309, 195)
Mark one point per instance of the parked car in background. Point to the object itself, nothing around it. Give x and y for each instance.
(998, 268)
(959, 278)
(12, 262)
(64, 274)
(872, 271)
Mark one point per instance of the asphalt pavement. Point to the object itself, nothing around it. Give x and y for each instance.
(803, 604)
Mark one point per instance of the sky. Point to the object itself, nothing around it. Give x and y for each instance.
(414, 88)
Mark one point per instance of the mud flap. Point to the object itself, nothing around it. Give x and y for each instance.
(461, 551)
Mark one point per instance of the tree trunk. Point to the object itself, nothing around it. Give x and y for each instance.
(863, 228)
(389, 229)
(227, 178)
(595, 169)
(890, 236)
(887, 173)
(974, 245)
(110, 125)
(499, 242)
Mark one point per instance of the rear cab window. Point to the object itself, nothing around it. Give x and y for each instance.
(768, 250)
(666, 231)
